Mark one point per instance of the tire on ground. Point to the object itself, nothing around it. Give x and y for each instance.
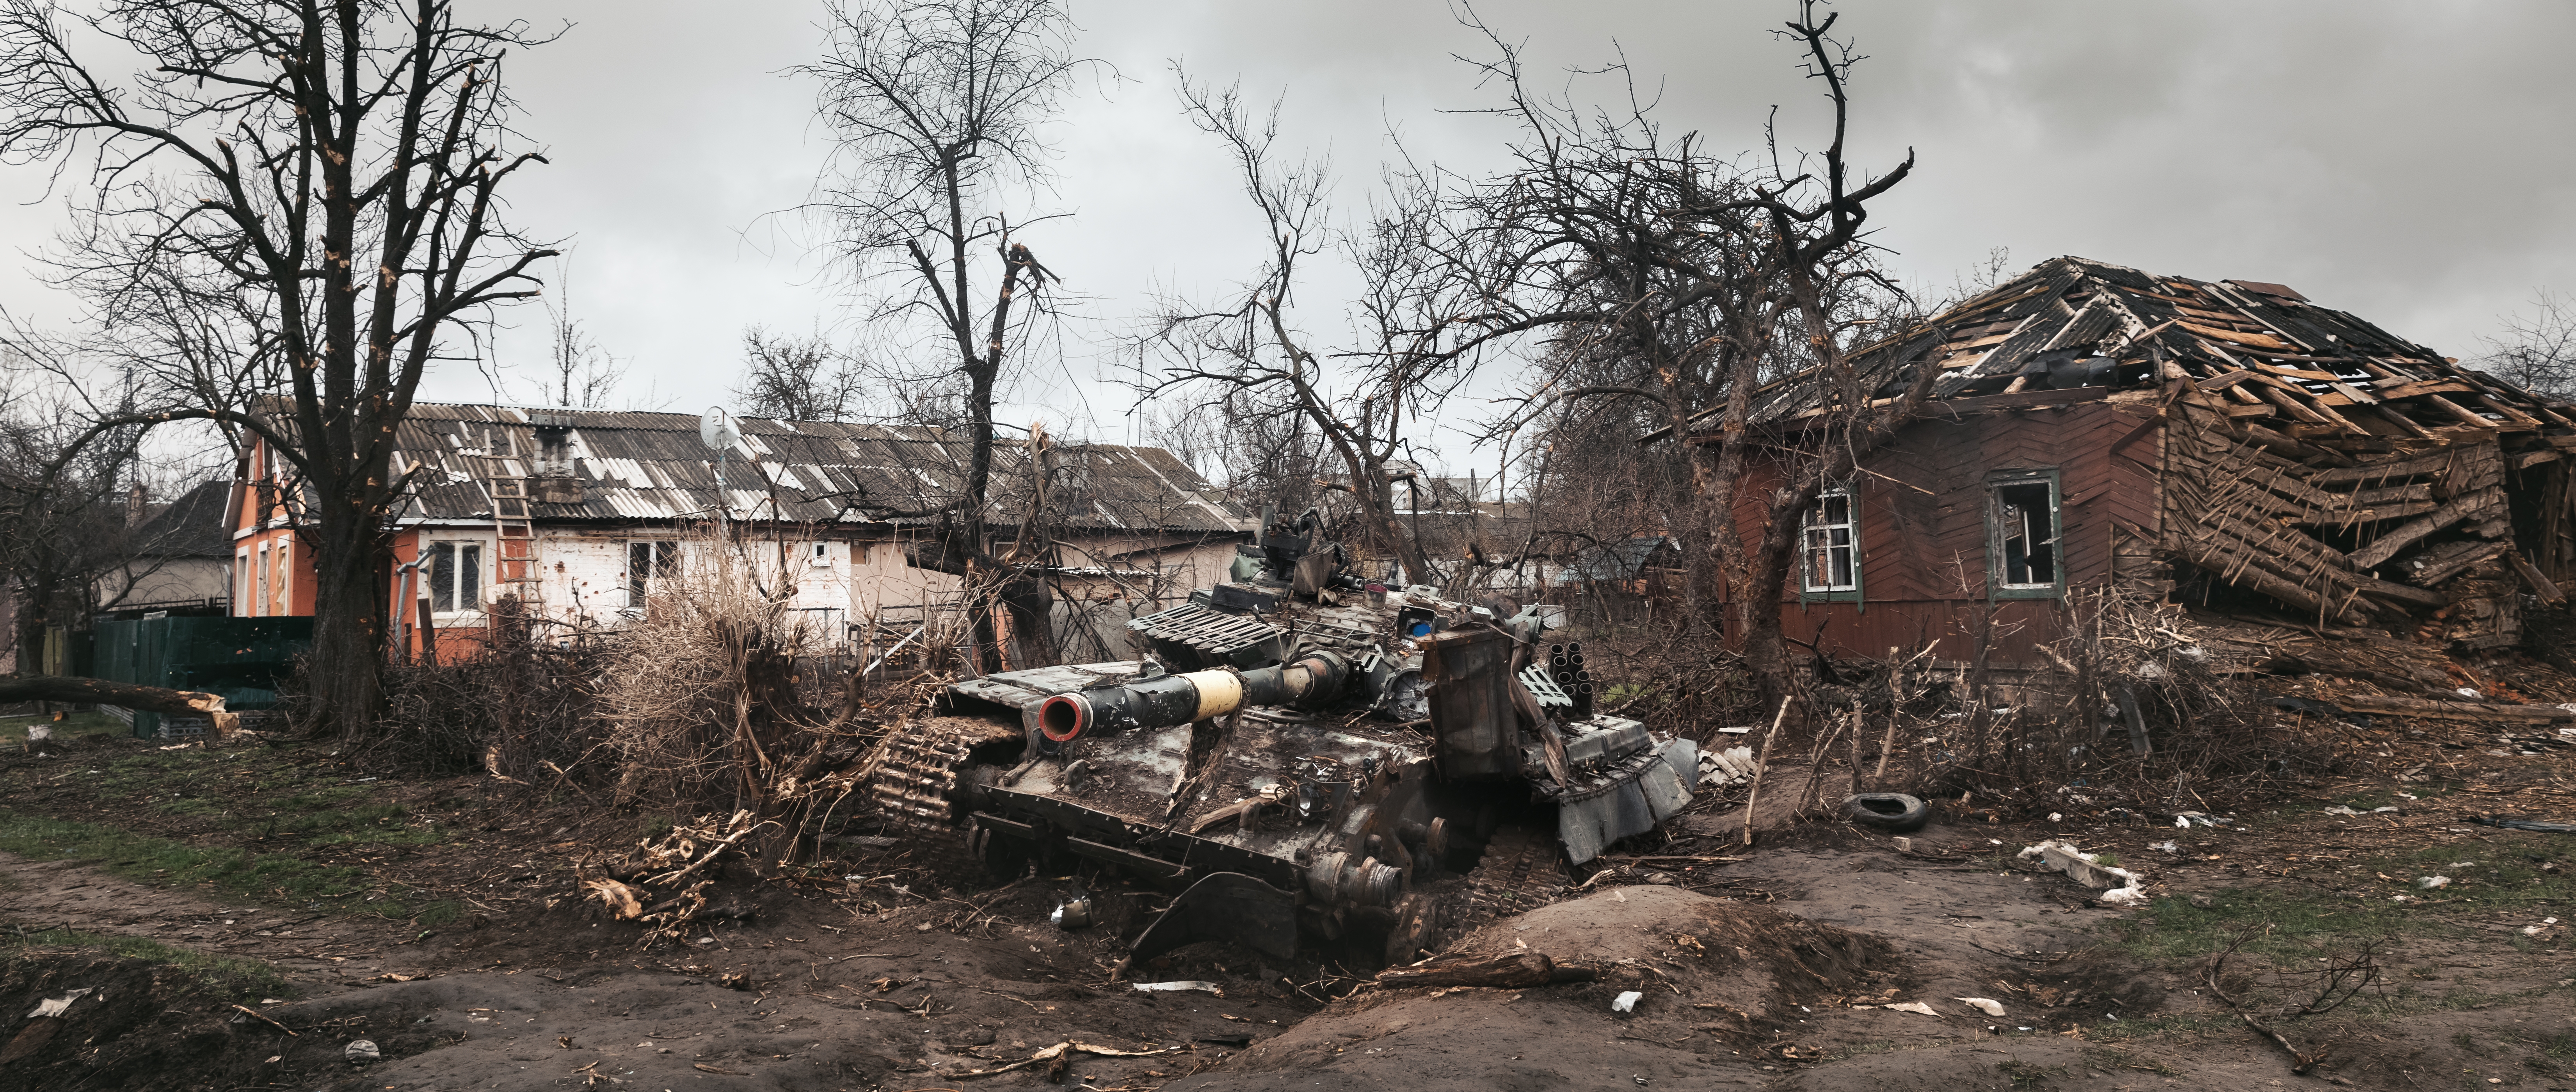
(1893, 812)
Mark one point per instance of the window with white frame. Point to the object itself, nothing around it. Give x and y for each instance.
(647, 562)
(455, 576)
(264, 605)
(1833, 543)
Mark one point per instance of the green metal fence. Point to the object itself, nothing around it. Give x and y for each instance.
(244, 659)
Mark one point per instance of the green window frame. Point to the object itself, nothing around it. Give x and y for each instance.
(1829, 547)
(2025, 535)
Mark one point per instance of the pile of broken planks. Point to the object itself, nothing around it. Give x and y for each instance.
(2412, 540)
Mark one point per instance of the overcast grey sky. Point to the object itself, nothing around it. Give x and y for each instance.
(2406, 161)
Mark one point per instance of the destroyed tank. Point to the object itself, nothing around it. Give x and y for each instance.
(1304, 756)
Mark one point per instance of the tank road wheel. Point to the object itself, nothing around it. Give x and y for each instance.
(1522, 869)
(1417, 919)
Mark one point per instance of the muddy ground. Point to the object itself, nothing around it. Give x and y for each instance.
(244, 914)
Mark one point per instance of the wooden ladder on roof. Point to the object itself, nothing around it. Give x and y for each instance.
(514, 535)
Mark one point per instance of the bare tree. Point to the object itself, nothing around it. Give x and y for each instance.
(939, 109)
(84, 537)
(1667, 276)
(298, 198)
(1358, 398)
(2537, 350)
(1256, 450)
(579, 374)
(789, 378)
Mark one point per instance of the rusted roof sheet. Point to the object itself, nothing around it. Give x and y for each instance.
(651, 466)
(2077, 323)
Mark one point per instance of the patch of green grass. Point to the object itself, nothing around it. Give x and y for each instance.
(322, 798)
(442, 912)
(2027, 1075)
(2146, 1027)
(226, 976)
(425, 835)
(13, 730)
(269, 877)
(2172, 928)
(189, 806)
(364, 815)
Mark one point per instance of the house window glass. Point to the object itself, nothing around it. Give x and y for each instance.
(2025, 535)
(455, 576)
(1833, 543)
(645, 563)
(262, 605)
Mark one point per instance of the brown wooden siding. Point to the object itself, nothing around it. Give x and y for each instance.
(1923, 524)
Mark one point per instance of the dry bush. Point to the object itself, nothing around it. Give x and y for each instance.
(699, 697)
(2130, 713)
(1655, 670)
(522, 706)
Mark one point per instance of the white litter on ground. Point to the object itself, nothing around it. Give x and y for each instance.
(56, 1006)
(1176, 987)
(1987, 1005)
(2126, 888)
(1626, 1002)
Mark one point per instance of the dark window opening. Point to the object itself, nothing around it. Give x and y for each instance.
(2026, 533)
(646, 562)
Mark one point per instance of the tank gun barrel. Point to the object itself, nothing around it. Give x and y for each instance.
(1308, 679)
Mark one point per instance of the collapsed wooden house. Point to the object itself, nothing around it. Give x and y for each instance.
(2229, 445)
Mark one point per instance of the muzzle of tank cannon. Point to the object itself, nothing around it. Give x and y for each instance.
(1336, 877)
(1311, 679)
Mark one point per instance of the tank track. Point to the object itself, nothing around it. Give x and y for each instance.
(1520, 871)
(914, 788)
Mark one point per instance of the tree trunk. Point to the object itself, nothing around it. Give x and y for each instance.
(72, 688)
(343, 684)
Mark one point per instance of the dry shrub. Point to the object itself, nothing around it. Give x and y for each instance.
(1665, 671)
(522, 705)
(2131, 712)
(700, 705)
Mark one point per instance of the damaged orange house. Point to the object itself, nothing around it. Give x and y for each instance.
(2228, 446)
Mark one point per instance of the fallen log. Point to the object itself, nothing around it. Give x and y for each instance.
(1514, 971)
(73, 688)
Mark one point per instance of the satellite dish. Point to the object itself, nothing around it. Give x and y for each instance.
(717, 430)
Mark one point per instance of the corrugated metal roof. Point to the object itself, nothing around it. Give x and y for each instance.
(651, 466)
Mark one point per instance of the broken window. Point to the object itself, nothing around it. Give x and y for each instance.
(1833, 543)
(2024, 515)
(646, 562)
(455, 576)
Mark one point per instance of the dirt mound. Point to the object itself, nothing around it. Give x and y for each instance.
(1716, 978)
(130, 1024)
